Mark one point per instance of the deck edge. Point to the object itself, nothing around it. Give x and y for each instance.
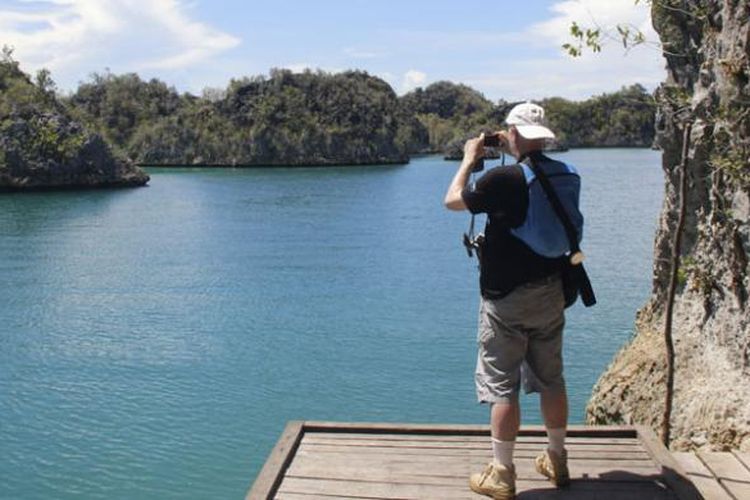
(270, 476)
(675, 476)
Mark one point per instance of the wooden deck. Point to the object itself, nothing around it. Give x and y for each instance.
(379, 461)
(718, 475)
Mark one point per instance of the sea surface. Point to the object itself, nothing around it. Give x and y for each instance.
(155, 341)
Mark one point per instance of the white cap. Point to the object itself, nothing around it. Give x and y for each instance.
(528, 118)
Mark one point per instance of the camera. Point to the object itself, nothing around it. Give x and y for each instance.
(492, 141)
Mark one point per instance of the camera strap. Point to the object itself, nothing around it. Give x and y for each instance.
(471, 242)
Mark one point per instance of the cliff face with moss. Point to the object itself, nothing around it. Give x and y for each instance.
(42, 147)
(707, 47)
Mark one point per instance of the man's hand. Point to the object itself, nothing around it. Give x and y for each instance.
(473, 152)
(474, 149)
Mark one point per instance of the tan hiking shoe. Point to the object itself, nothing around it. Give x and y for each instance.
(496, 481)
(554, 467)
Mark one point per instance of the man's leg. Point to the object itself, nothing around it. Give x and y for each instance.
(505, 419)
(553, 463)
(498, 480)
(501, 350)
(544, 359)
(555, 412)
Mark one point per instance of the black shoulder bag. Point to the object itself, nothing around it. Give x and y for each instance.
(575, 280)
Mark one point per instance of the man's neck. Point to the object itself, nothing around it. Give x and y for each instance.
(531, 152)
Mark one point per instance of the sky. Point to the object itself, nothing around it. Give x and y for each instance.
(505, 49)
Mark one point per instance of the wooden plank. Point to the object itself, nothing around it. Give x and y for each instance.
(464, 457)
(731, 473)
(325, 451)
(742, 456)
(531, 452)
(372, 489)
(673, 473)
(587, 454)
(484, 442)
(576, 449)
(614, 431)
(573, 454)
(453, 476)
(405, 468)
(701, 476)
(541, 491)
(281, 456)
(587, 490)
(463, 438)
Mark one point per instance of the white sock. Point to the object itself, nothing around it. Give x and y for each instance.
(556, 440)
(503, 452)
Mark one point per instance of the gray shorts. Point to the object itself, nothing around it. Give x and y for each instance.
(520, 337)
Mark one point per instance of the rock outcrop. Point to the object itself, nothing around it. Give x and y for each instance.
(707, 48)
(42, 147)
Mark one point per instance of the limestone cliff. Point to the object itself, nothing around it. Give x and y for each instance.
(707, 46)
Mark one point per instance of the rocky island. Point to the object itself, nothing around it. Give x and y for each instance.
(289, 119)
(43, 147)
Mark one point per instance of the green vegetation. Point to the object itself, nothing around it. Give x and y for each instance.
(286, 118)
(451, 113)
(320, 118)
(623, 118)
(42, 146)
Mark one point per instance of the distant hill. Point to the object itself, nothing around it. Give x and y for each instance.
(42, 146)
(318, 118)
(618, 119)
(451, 113)
(283, 119)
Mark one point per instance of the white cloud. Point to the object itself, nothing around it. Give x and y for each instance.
(590, 74)
(606, 15)
(614, 66)
(75, 37)
(412, 79)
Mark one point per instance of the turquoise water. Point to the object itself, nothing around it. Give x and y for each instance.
(155, 341)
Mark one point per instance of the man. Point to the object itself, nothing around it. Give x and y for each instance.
(521, 313)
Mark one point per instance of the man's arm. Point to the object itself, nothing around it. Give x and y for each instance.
(473, 152)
